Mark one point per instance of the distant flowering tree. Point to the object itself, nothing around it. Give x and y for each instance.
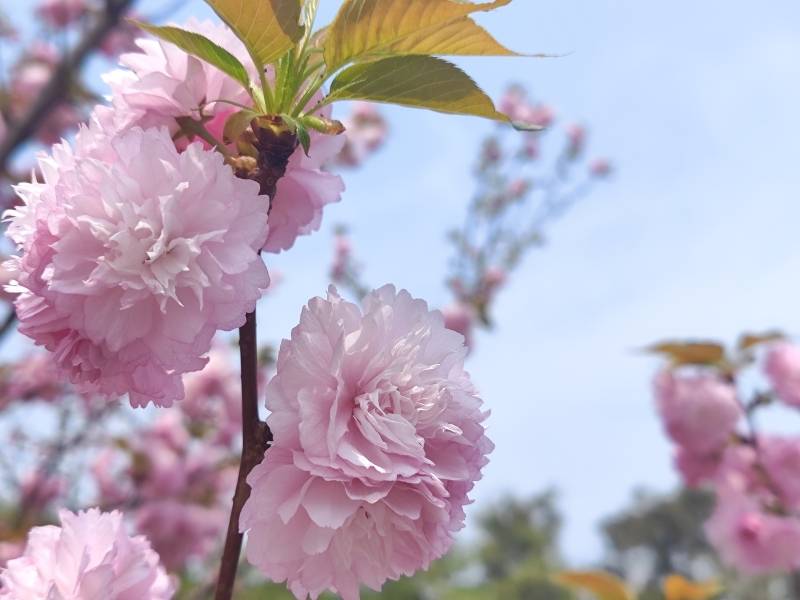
(142, 238)
(709, 399)
(524, 184)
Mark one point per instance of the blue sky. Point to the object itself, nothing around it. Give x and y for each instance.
(697, 105)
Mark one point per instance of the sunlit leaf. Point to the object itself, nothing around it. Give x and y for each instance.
(678, 588)
(368, 28)
(690, 353)
(268, 28)
(463, 37)
(201, 47)
(749, 340)
(603, 585)
(418, 81)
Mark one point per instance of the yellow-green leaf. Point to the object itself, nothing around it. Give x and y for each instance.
(463, 37)
(678, 588)
(418, 81)
(368, 28)
(603, 585)
(201, 47)
(268, 28)
(749, 340)
(690, 353)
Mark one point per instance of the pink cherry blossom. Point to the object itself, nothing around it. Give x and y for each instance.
(379, 438)
(162, 82)
(155, 90)
(35, 377)
(782, 368)
(60, 13)
(460, 317)
(213, 397)
(751, 538)
(781, 460)
(89, 556)
(179, 485)
(132, 256)
(696, 469)
(700, 412)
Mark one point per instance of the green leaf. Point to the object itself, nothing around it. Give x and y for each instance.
(201, 47)
(369, 28)
(303, 137)
(268, 28)
(417, 81)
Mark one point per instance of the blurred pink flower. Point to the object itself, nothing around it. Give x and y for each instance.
(89, 556)
(132, 256)
(782, 368)
(121, 39)
(460, 317)
(696, 469)
(60, 13)
(379, 437)
(342, 255)
(35, 377)
(179, 530)
(781, 460)
(365, 133)
(752, 539)
(576, 139)
(213, 397)
(38, 490)
(180, 487)
(700, 412)
(600, 167)
(9, 551)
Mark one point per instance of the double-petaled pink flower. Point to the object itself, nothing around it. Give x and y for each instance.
(132, 256)
(90, 556)
(379, 437)
(162, 83)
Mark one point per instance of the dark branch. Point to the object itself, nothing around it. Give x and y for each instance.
(57, 89)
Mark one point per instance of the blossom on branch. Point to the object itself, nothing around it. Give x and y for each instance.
(132, 256)
(89, 556)
(379, 438)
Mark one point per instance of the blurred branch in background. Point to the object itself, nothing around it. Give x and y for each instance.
(524, 184)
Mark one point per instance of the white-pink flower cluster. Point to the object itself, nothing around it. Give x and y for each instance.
(379, 438)
(89, 557)
(132, 255)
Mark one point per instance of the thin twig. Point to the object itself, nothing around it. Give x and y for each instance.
(57, 88)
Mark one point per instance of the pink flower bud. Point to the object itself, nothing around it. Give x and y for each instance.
(600, 167)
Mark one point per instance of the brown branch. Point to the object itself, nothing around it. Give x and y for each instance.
(275, 145)
(57, 88)
(256, 437)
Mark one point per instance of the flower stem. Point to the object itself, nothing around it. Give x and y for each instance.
(275, 145)
(256, 437)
